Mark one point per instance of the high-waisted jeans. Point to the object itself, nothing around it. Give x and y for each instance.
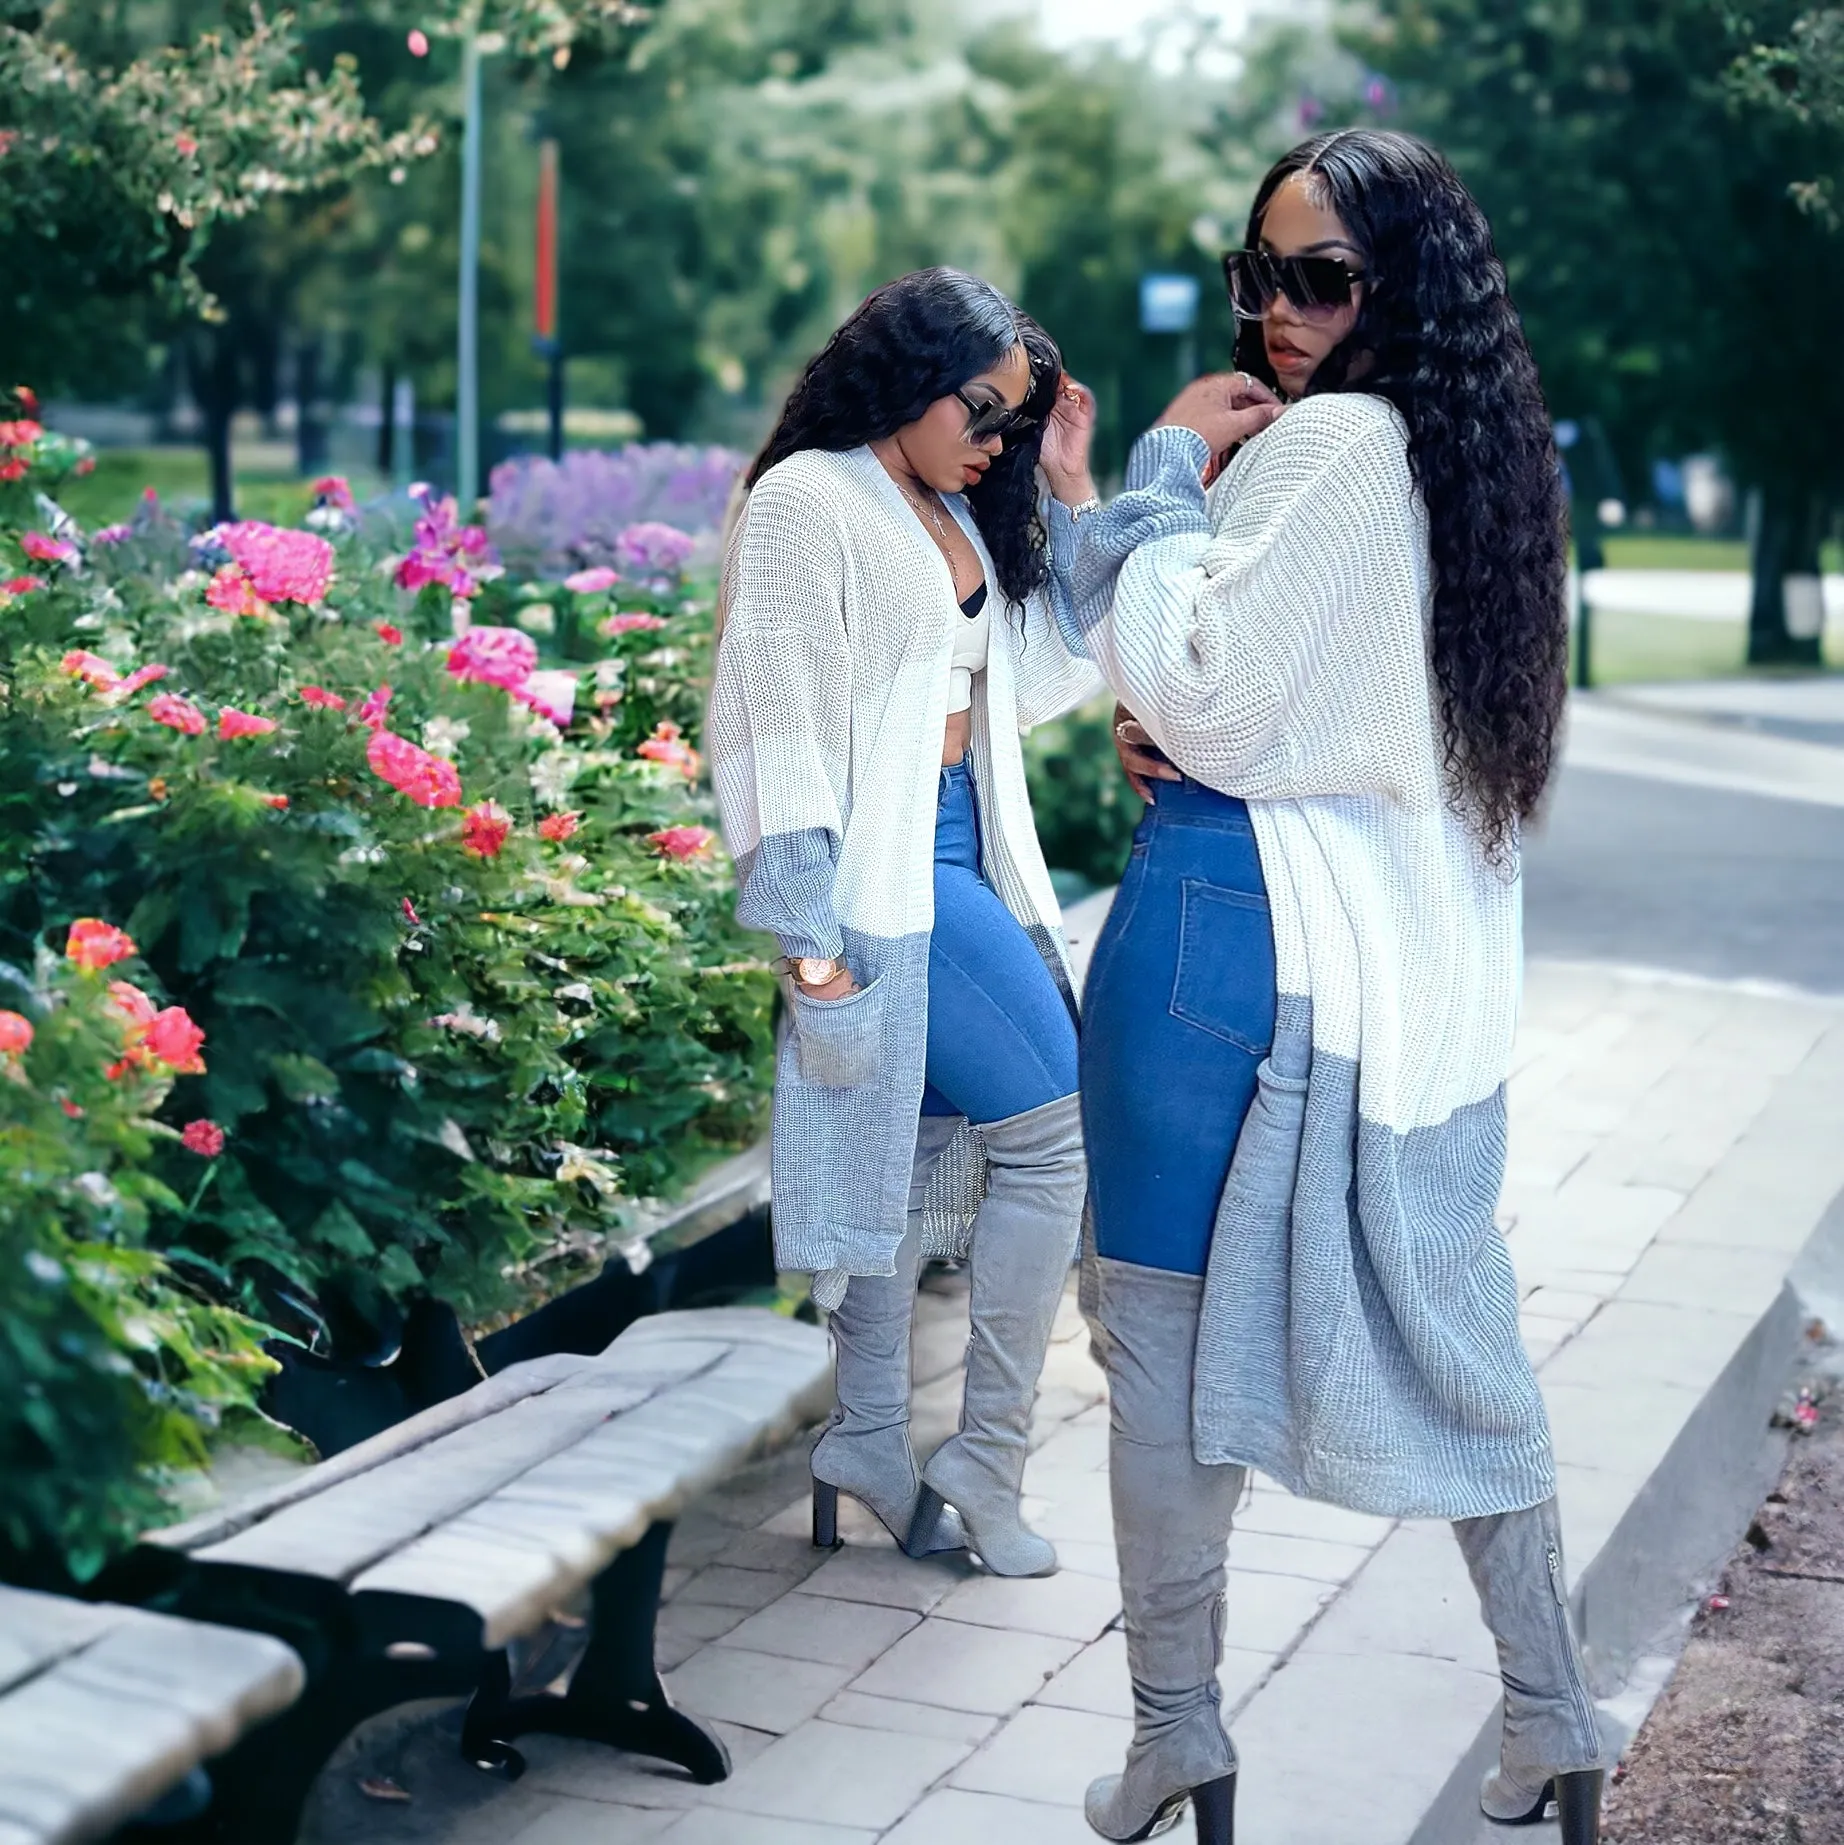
(1000, 1037)
(1178, 1014)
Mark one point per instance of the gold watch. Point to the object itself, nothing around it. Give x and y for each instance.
(813, 970)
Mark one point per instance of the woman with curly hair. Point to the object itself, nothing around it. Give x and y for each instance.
(1348, 659)
(886, 633)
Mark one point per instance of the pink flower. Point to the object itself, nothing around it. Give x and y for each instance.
(682, 842)
(278, 801)
(21, 433)
(321, 699)
(390, 634)
(22, 586)
(334, 490)
(86, 465)
(14, 468)
(136, 1008)
(551, 694)
(559, 827)
(186, 145)
(484, 829)
(91, 669)
(418, 42)
(111, 534)
(592, 582)
(15, 1034)
(94, 944)
(371, 712)
(494, 656)
(428, 780)
(70, 1108)
(205, 1138)
(44, 550)
(410, 916)
(172, 1037)
(629, 623)
(235, 723)
(232, 591)
(177, 714)
(665, 746)
(456, 556)
(283, 566)
(653, 549)
(26, 398)
(142, 675)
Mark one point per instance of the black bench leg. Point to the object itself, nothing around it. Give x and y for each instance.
(615, 1696)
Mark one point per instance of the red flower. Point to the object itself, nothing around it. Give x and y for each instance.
(682, 842)
(371, 712)
(235, 723)
(13, 468)
(204, 1138)
(410, 915)
(390, 634)
(26, 398)
(278, 801)
(22, 586)
(186, 145)
(86, 466)
(175, 1041)
(484, 828)
(559, 826)
(92, 669)
(94, 944)
(428, 780)
(177, 714)
(142, 675)
(665, 746)
(321, 699)
(336, 491)
(70, 1108)
(15, 1034)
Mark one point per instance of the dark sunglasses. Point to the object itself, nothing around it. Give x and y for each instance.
(985, 421)
(1314, 284)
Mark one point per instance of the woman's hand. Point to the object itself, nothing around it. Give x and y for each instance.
(1225, 408)
(840, 986)
(1067, 435)
(1140, 756)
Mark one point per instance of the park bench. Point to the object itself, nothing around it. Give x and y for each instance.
(105, 1709)
(406, 1566)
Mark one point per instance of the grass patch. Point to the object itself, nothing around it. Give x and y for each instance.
(182, 477)
(1686, 551)
(1631, 649)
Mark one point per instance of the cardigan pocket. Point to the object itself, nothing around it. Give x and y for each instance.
(841, 1041)
(1225, 979)
(1264, 1173)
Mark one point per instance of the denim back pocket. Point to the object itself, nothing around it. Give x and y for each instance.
(841, 1041)
(1225, 979)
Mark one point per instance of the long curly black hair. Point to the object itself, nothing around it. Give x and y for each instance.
(915, 341)
(1438, 336)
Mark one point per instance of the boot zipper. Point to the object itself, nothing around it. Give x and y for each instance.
(1584, 1710)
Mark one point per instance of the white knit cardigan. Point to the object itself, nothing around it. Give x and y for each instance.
(828, 705)
(1360, 1338)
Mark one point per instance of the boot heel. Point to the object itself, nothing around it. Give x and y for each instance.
(825, 1516)
(1578, 1806)
(1214, 1805)
(929, 1507)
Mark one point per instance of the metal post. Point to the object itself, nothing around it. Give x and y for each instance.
(467, 344)
(545, 336)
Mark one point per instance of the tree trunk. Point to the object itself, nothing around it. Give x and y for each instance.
(387, 421)
(310, 419)
(1786, 619)
(215, 382)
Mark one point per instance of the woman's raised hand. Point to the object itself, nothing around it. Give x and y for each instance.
(1140, 756)
(1067, 435)
(1225, 408)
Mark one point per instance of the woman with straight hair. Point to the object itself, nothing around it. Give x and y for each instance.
(886, 632)
(1346, 662)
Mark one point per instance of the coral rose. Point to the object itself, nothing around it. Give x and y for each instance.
(15, 1034)
(428, 780)
(235, 723)
(94, 944)
(321, 699)
(175, 1041)
(204, 1138)
(484, 829)
(177, 714)
(682, 842)
(494, 656)
(559, 827)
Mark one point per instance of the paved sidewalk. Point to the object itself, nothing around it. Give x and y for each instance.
(1673, 1146)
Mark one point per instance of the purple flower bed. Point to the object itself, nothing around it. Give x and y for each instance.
(550, 518)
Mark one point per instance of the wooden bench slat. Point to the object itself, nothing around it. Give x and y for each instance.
(36, 1630)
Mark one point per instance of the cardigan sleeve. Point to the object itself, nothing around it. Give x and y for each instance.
(1052, 677)
(780, 715)
(1224, 642)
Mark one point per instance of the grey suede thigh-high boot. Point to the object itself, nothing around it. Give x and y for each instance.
(1024, 1241)
(865, 1448)
(1552, 1738)
(1172, 1518)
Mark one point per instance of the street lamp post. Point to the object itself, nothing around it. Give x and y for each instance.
(467, 342)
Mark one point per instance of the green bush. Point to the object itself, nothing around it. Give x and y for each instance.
(445, 1044)
(1085, 809)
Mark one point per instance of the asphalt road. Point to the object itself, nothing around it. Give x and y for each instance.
(1722, 881)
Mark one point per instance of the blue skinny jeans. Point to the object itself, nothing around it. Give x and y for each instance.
(1000, 1037)
(1177, 1015)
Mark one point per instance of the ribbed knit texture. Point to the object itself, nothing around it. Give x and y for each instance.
(1360, 1338)
(828, 706)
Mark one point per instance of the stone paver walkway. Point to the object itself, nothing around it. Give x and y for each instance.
(1673, 1145)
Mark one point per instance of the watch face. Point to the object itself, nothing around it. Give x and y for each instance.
(815, 971)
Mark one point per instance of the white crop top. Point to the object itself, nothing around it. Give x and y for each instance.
(972, 636)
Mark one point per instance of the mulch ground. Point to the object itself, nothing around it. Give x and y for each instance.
(1746, 1747)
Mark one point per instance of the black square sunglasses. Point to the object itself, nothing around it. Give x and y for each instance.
(1001, 420)
(1314, 284)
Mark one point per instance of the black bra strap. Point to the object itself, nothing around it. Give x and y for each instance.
(975, 602)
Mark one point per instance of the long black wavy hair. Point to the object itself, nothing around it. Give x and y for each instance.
(1438, 336)
(915, 341)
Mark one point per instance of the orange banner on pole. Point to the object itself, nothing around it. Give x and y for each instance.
(545, 281)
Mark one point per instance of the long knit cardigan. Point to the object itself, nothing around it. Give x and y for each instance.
(828, 705)
(1359, 1338)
